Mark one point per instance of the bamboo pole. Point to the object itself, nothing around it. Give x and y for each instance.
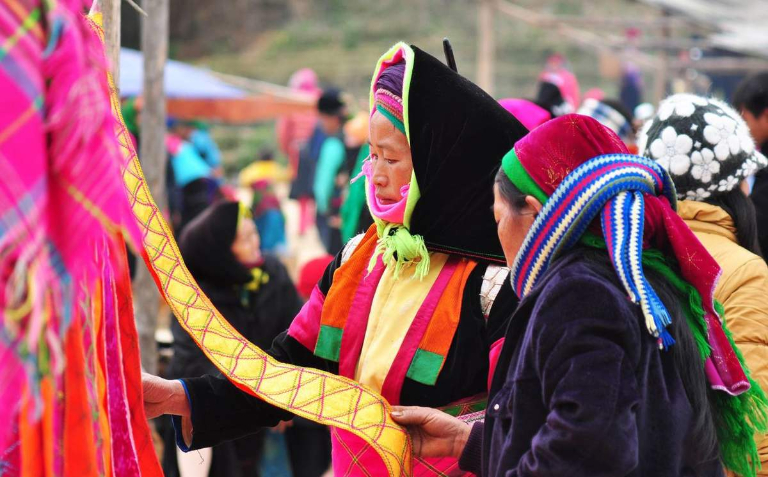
(662, 73)
(152, 153)
(110, 10)
(486, 45)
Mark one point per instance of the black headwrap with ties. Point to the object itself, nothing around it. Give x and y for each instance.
(458, 136)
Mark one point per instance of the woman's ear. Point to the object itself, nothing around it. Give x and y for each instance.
(534, 204)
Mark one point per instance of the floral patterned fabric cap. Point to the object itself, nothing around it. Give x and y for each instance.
(703, 143)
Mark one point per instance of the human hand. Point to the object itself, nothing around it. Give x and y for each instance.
(162, 396)
(433, 433)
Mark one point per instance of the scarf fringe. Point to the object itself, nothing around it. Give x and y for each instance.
(738, 419)
(397, 245)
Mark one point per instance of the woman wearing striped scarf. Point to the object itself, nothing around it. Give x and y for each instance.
(616, 362)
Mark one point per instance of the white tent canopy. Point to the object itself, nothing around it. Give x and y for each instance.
(742, 24)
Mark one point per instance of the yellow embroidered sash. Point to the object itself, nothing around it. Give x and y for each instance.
(315, 395)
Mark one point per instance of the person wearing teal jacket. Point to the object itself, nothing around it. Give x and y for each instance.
(355, 217)
(329, 164)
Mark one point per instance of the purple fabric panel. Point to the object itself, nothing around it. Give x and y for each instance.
(472, 456)
(391, 79)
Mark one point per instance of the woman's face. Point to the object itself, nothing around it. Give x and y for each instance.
(391, 159)
(513, 225)
(246, 244)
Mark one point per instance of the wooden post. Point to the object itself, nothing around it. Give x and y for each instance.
(486, 45)
(110, 9)
(154, 46)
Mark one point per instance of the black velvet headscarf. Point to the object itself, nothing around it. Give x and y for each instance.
(206, 246)
(459, 135)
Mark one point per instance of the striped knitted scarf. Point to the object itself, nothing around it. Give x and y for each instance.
(613, 187)
(579, 170)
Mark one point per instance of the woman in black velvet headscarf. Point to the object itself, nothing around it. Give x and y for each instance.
(412, 307)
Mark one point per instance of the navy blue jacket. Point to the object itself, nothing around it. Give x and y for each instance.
(581, 388)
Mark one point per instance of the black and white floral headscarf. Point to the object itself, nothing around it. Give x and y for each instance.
(703, 143)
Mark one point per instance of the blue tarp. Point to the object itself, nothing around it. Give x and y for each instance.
(181, 80)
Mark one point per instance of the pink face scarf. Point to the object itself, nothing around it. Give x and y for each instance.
(392, 213)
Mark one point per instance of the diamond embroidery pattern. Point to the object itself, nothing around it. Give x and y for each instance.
(315, 395)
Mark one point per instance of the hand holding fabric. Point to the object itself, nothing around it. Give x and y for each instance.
(433, 433)
(162, 396)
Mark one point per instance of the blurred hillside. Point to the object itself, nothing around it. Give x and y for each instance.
(341, 39)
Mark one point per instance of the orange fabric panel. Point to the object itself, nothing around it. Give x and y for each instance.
(79, 459)
(31, 437)
(97, 314)
(345, 282)
(439, 335)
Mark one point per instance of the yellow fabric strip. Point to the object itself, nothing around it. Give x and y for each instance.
(394, 307)
(315, 395)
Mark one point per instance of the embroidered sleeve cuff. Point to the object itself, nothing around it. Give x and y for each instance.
(472, 456)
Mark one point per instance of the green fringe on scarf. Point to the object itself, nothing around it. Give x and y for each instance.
(396, 244)
(737, 419)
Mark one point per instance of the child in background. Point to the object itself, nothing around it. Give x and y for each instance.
(260, 177)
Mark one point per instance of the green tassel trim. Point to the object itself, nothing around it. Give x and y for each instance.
(397, 245)
(693, 308)
(738, 419)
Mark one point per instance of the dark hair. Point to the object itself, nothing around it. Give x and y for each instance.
(685, 352)
(330, 103)
(752, 94)
(621, 109)
(266, 154)
(742, 211)
(508, 191)
(550, 98)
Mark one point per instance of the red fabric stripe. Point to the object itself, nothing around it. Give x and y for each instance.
(357, 321)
